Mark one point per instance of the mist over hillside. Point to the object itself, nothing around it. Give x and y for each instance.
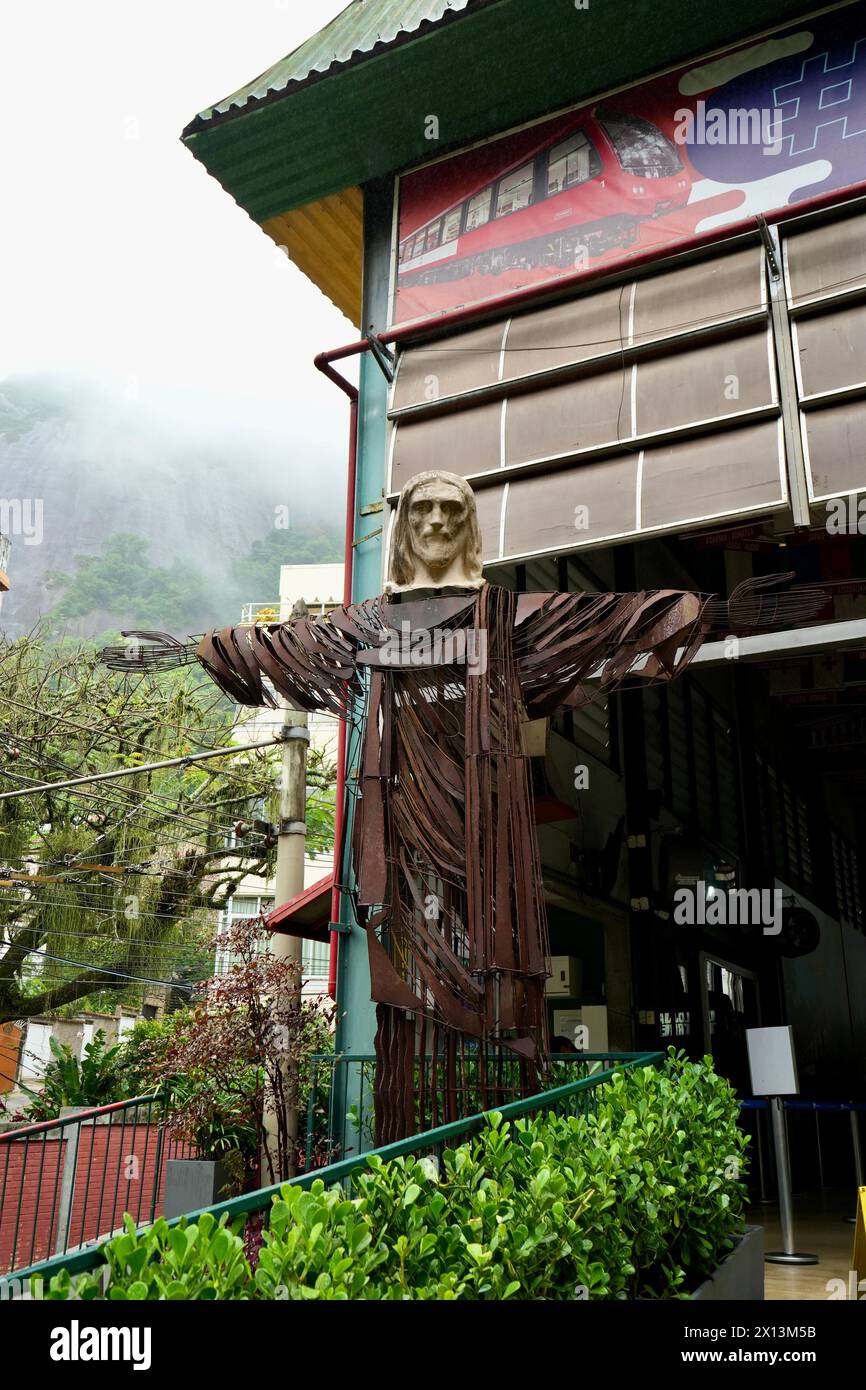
(130, 506)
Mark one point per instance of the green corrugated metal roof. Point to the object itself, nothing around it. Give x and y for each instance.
(363, 27)
(481, 69)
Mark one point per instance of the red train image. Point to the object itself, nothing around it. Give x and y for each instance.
(562, 205)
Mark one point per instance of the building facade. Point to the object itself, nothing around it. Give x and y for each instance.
(607, 263)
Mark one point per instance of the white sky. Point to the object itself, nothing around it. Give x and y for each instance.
(120, 257)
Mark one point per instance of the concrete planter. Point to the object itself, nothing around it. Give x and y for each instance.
(192, 1183)
(740, 1277)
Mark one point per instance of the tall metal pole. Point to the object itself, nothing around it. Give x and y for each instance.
(788, 1255)
(289, 880)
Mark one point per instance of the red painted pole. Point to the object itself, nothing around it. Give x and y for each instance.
(323, 363)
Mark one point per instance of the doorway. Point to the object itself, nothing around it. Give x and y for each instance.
(730, 1004)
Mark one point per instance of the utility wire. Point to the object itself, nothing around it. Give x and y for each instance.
(184, 817)
(104, 733)
(177, 946)
(182, 761)
(100, 970)
(192, 735)
(194, 823)
(105, 911)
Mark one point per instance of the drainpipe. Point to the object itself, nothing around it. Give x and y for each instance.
(323, 363)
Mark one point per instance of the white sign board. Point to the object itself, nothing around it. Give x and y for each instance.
(772, 1064)
(586, 1027)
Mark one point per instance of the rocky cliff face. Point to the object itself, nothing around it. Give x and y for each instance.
(85, 464)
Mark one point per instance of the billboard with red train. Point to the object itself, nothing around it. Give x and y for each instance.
(766, 126)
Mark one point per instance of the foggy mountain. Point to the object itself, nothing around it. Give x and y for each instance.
(193, 493)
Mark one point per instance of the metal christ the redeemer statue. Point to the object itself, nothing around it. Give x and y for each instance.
(447, 877)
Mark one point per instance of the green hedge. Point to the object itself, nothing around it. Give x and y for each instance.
(641, 1199)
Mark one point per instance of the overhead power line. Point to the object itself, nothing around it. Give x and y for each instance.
(193, 735)
(145, 767)
(147, 794)
(104, 970)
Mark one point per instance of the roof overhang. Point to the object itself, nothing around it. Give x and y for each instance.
(307, 915)
(350, 106)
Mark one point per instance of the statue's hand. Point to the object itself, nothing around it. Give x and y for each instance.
(148, 651)
(768, 601)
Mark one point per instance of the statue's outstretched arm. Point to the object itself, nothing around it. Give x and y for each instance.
(569, 646)
(310, 662)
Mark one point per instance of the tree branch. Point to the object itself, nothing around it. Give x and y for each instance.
(14, 1005)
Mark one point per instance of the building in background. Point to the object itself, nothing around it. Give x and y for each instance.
(613, 263)
(76, 1032)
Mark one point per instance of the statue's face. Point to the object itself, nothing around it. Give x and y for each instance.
(438, 518)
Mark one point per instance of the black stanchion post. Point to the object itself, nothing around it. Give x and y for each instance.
(787, 1256)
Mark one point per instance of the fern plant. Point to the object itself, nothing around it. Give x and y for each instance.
(91, 1080)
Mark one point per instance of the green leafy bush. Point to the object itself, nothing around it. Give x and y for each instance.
(640, 1199)
(202, 1261)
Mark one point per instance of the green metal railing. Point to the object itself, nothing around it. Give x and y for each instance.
(67, 1182)
(574, 1097)
(339, 1122)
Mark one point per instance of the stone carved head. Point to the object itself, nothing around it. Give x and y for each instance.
(436, 539)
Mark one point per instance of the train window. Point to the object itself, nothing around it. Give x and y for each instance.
(405, 250)
(451, 229)
(433, 236)
(419, 244)
(640, 146)
(515, 190)
(572, 161)
(479, 209)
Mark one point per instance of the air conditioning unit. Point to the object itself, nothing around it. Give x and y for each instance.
(566, 977)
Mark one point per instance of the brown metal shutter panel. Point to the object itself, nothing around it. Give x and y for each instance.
(573, 332)
(558, 401)
(462, 363)
(831, 256)
(489, 503)
(540, 511)
(465, 442)
(711, 476)
(695, 294)
(832, 349)
(563, 419)
(836, 440)
(698, 385)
